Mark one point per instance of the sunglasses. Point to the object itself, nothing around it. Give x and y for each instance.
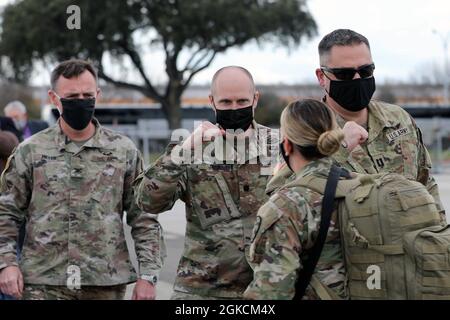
(364, 71)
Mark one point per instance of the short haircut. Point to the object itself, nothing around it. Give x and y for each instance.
(72, 68)
(340, 37)
(215, 76)
(15, 105)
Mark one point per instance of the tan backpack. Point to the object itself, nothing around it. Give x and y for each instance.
(394, 242)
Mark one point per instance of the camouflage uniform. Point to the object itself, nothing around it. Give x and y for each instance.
(74, 199)
(286, 226)
(221, 198)
(394, 144)
(179, 295)
(40, 292)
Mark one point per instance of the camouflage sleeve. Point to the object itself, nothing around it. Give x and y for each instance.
(145, 228)
(15, 193)
(159, 187)
(279, 179)
(274, 253)
(423, 172)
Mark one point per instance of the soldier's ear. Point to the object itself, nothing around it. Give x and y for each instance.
(211, 102)
(99, 93)
(55, 100)
(255, 99)
(288, 148)
(53, 97)
(320, 77)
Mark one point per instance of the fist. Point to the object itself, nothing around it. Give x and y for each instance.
(203, 132)
(11, 282)
(354, 134)
(143, 290)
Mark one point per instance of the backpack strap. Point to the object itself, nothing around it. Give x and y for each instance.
(314, 253)
(317, 183)
(324, 292)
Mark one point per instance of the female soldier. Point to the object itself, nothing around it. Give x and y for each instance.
(287, 225)
(8, 141)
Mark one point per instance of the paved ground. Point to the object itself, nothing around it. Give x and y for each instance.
(174, 223)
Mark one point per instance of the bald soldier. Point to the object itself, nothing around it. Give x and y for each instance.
(379, 137)
(222, 191)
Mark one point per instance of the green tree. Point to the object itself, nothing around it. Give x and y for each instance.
(269, 109)
(35, 30)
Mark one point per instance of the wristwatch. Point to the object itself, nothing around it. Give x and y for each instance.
(150, 278)
(344, 144)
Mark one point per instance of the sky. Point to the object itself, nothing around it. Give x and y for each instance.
(400, 33)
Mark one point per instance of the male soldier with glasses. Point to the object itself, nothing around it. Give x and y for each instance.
(379, 137)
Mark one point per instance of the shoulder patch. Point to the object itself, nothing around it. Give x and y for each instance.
(268, 214)
(394, 135)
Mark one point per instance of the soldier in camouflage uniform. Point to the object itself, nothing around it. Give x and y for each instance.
(287, 225)
(379, 137)
(73, 182)
(8, 142)
(222, 190)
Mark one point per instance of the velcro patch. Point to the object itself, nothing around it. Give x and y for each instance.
(396, 134)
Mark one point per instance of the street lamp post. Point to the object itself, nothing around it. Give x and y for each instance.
(445, 82)
(444, 40)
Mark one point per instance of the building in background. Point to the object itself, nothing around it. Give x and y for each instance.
(143, 121)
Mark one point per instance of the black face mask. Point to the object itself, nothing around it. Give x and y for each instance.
(78, 113)
(352, 95)
(235, 119)
(285, 157)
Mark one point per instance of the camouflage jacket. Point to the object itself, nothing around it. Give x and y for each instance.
(73, 200)
(222, 194)
(394, 145)
(286, 226)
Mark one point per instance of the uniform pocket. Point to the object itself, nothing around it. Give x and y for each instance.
(49, 179)
(105, 179)
(428, 263)
(211, 197)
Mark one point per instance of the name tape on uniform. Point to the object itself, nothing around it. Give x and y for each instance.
(396, 134)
